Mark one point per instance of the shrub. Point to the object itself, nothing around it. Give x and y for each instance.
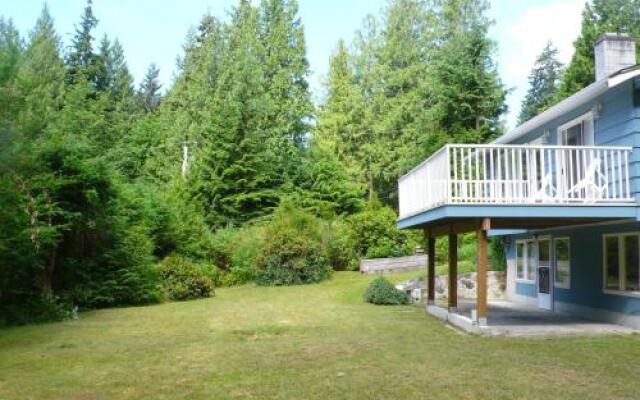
(374, 234)
(37, 310)
(340, 247)
(381, 291)
(294, 253)
(235, 251)
(182, 279)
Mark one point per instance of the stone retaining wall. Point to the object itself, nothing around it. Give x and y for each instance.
(496, 286)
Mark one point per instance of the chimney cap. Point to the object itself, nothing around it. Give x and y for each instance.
(613, 36)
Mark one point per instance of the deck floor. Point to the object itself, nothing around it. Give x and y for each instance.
(509, 319)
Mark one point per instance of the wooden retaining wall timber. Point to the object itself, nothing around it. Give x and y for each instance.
(394, 264)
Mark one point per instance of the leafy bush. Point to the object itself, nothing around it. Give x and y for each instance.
(497, 254)
(340, 247)
(381, 291)
(374, 234)
(294, 253)
(37, 310)
(182, 279)
(235, 251)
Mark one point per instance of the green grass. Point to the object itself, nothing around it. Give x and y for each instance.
(306, 342)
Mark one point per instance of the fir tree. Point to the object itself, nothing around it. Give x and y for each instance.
(470, 95)
(81, 60)
(543, 84)
(233, 181)
(340, 117)
(286, 70)
(407, 46)
(11, 53)
(149, 94)
(598, 17)
(42, 76)
(10, 50)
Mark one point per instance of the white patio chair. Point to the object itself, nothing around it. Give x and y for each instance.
(589, 183)
(545, 191)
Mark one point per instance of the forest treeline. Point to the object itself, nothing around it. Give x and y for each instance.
(116, 194)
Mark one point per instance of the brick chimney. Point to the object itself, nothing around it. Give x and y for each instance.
(614, 51)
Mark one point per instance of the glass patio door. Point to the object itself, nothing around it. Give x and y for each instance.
(545, 273)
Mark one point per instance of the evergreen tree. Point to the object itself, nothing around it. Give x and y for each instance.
(81, 59)
(149, 93)
(543, 84)
(287, 104)
(121, 79)
(11, 52)
(598, 17)
(470, 95)
(340, 117)
(41, 76)
(233, 181)
(188, 107)
(286, 70)
(407, 47)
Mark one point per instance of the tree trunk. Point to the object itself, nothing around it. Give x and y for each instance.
(47, 275)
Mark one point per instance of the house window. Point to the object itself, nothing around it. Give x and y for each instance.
(578, 132)
(562, 254)
(622, 262)
(526, 261)
(531, 260)
(520, 272)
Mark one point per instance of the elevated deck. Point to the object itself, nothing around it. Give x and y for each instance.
(517, 187)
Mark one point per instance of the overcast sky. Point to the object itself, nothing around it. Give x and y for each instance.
(154, 31)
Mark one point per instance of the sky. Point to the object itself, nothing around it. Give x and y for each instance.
(154, 31)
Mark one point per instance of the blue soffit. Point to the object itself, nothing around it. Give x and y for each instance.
(468, 211)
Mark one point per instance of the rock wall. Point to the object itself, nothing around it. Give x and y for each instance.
(496, 286)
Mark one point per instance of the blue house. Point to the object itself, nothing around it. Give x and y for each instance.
(563, 189)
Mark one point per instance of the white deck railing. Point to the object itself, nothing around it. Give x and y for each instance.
(517, 174)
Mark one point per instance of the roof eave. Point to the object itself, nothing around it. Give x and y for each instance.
(570, 103)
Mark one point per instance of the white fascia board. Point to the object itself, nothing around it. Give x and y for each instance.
(570, 103)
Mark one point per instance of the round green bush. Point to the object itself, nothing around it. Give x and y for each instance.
(293, 253)
(381, 291)
(373, 234)
(182, 279)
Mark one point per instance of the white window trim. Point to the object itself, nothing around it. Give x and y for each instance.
(622, 272)
(584, 117)
(526, 279)
(555, 264)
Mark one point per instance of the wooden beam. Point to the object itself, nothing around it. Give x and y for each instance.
(453, 272)
(481, 274)
(457, 227)
(431, 270)
(463, 225)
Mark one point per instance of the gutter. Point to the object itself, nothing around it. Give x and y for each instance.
(570, 103)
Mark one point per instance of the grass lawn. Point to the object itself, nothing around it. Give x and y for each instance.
(312, 342)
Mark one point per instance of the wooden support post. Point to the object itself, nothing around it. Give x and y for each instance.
(453, 272)
(431, 270)
(481, 296)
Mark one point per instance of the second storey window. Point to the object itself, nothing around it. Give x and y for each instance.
(622, 262)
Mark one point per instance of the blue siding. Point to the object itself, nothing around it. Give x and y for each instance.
(617, 125)
(586, 269)
(526, 289)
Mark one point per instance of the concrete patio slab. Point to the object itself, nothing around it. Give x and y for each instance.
(510, 319)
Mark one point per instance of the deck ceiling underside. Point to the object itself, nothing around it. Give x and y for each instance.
(463, 225)
(460, 219)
